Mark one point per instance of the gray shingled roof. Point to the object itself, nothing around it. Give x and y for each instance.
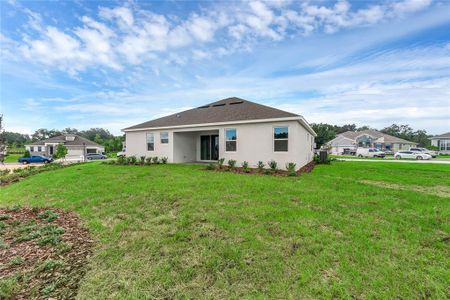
(225, 110)
(78, 141)
(442, 136)
(377, 134)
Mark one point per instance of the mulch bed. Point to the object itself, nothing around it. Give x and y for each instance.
(43, 253)
(254, 171)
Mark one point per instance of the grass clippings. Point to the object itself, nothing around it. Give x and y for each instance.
(46, 252)
(438, 190)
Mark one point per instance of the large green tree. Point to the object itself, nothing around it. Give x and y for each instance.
(325, 133)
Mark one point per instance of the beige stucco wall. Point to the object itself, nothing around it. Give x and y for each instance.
(254, 143)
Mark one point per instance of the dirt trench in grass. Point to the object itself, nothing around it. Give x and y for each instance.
(43, 253)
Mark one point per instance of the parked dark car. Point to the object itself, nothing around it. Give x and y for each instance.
(92, 156)
(35, 159)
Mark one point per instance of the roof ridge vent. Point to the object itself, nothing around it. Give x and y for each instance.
(236, 102)
(219, 104)
(204, 106)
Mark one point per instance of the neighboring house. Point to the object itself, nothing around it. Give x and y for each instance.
(77, 146)
(349, 141)
(442, 142)
(231, 128)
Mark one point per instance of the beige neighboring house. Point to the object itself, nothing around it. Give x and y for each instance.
(77, 146)
(442, 142)
(231, 128)
(349, 141)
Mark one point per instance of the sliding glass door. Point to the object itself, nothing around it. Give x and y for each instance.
(209, 147)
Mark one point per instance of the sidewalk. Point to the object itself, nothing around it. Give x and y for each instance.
(442, 162)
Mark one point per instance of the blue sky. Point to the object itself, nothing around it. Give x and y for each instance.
(113, 64)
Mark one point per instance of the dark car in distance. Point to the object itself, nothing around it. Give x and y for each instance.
(35, 159)
(92, 156)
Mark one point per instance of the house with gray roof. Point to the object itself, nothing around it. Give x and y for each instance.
(77, 146)
(442, 141)
(230, 128)
(349, 141)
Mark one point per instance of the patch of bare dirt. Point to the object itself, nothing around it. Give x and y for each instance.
(44, 253)
(438, 190)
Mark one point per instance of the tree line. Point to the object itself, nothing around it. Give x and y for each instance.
(327, 132)
(99, 135)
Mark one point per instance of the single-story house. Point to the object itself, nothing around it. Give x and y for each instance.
(442, 142)
(77, 146)
(350, 140)
(231, 128)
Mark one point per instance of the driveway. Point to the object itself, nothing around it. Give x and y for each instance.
(12, 166)
(442, 162)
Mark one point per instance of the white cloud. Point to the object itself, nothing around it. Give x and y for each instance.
(131, 35)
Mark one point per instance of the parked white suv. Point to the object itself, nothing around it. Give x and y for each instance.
(423, 150)
(411, 155)
(369, 152)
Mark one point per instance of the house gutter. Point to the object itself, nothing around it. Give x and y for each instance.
(300, 119)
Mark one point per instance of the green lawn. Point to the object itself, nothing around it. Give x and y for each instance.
(346, 230)
(10, 158)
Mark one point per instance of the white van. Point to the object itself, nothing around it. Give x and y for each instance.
(369, 152)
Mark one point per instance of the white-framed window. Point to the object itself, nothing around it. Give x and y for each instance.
(230, 140)
(39, 148)
(150, 141)
(31, 149)
(164, 136)
(280, 139)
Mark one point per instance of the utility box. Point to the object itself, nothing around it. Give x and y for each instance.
(323, 156)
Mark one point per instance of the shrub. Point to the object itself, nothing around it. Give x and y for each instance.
(260, 166)
(4, 172)
(290, 167)
(142, 161)
(211, 166)
(231, 164)
(155, 160)
(26, 153)
(132, 160)
(49, 215)
(4, 217)
(121, 160)
(245, 167)
(220, 162)
(16, 261)
(51, 264)
(148, 161)
(273, 165)
(164, 160)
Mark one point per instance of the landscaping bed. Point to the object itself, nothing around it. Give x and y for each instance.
(43, 253)
(261, 169)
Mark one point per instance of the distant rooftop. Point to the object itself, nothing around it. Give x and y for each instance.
(73, 140)
(376, 134)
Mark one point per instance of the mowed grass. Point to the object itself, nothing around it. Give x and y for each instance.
(11, 158)
(346, 230)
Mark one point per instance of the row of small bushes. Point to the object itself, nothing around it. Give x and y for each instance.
(142, 160)
(260, 167)
(10, 176)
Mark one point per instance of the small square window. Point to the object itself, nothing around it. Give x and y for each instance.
(39, 148)
(164, 137)
(31, 149)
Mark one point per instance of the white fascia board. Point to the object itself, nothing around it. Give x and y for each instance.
(300, 119)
